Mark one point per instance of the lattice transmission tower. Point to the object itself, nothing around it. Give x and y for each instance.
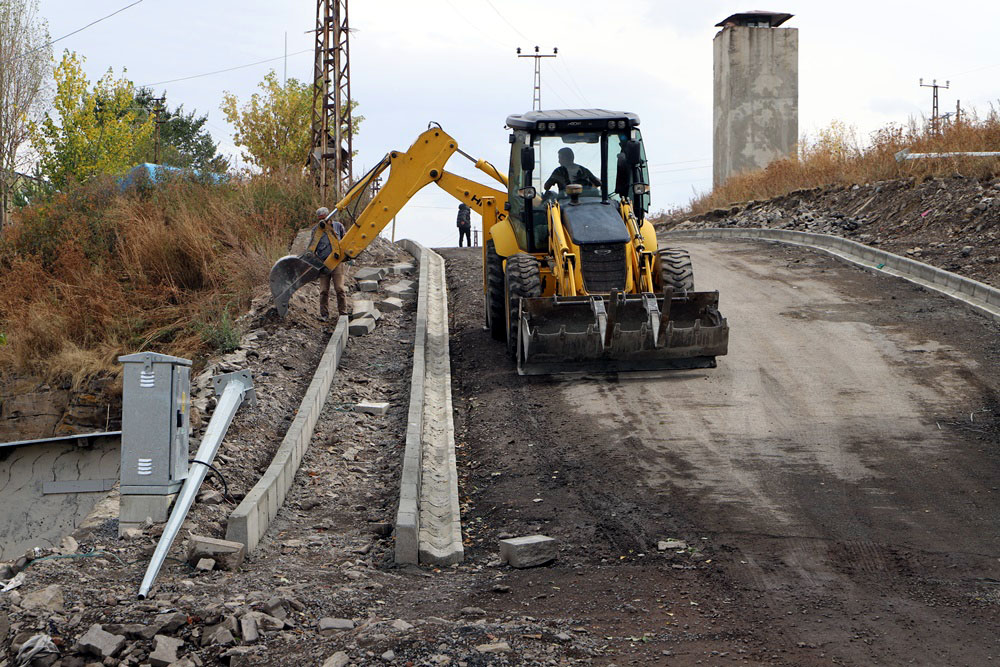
(332, 143)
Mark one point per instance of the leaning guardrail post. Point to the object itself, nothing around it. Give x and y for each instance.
(232, 389)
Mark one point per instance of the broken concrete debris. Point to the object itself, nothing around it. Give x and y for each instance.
(165, 650)
(528, 551)
(227, 555)
(103, 644)
(372, 407)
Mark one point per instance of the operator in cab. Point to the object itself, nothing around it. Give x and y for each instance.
(569, 172)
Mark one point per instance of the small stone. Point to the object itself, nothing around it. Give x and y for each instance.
(361, 326)
(401, 625)
(967, 250)
(372, 407)
(338, 659)
(210, 497)
(165, 650)
(381, 528)
(49, 598)
(68, 546)
(227, 555)
(4, 626)
(100, 643)
(389, 656)
(218, 635)
(501, 588)
(390, 304)
(132, 533)
(328, 626)
(528, 551)
(498, 647)
(671, 545)
(473, 612)
(205, 564)
(249, 628)
(368, 285)
(564, 637)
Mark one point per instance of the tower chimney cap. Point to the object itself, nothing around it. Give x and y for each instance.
(756, 18)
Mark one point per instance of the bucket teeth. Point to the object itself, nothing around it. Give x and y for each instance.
(289, 274)
(620, 332)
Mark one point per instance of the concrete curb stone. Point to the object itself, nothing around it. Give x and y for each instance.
(250, 520)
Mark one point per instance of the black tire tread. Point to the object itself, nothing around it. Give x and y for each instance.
(676, 270)
(496, 307)
(523, 280)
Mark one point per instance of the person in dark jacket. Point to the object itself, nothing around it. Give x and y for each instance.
(338, 275)
(464, 225)
(569, 172)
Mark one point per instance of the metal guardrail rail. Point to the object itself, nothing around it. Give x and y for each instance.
(63, 438)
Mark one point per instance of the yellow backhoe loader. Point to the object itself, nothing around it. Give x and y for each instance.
(572, 275)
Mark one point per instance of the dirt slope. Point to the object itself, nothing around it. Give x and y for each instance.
(952, 223)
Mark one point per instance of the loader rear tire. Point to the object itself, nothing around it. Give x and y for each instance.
(523, 280)
(496, 305)
(676, 270)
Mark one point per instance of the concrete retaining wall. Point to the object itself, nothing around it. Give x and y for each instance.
(249, 521)
(979, 296)
(428, 522)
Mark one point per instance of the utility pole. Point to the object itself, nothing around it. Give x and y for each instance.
(536, 97)
(158, 106)
(475, 237)
(934, 105)
(332, 141)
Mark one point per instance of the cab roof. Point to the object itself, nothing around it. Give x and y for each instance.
(571, 119)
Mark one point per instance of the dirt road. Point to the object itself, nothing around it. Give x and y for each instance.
(835, 479)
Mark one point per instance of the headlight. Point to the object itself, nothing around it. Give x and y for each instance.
(640, 188)
(526, 193)
(541, 125)
(611, 124)
(552, 126)
(621, 125)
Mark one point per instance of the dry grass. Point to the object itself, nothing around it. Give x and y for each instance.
(836, 156)
(95, 273)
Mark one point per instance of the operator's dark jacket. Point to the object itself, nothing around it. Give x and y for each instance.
(464, 217)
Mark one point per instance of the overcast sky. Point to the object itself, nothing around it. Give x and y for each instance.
(453, 61)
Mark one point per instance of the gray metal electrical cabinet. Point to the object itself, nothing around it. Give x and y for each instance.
(156, 396)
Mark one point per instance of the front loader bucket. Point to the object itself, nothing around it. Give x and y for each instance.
(289, 274)
(636, 332)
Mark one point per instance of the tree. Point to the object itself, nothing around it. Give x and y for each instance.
(275, 127)
(184, 141)
(100, 131)
(24, 58)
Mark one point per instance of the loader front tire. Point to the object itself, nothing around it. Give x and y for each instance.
(676, 270)
(496, 305)
(523, 279)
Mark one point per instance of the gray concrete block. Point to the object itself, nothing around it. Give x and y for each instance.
(136, 508)
(228, 555)
(100, 643)
(402, 268)
(529, 551)
(165, 650)
(401, 289)
(372, 407)
(368, 285)
(392, 303)
(359, 307)
(362, 326)
(370, 273)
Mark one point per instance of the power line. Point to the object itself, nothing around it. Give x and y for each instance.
(504, 19)
(667, 171)
(221, 71)
(70, 34)
(573, 79)
(663, 164)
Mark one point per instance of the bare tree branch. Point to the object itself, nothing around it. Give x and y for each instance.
(24, 70)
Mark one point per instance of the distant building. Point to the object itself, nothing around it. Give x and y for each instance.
(756, 100)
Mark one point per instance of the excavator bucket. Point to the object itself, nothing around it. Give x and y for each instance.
(289, 274)
(620, 332)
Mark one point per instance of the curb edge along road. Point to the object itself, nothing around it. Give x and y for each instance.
(980, 296)
(249, 521)
(428, 523)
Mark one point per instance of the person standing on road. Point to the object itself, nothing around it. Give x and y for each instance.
(339, 274)
(464, 225)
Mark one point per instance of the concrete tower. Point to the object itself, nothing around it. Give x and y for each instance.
(756, 114)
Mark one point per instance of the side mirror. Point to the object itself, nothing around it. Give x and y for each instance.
(632, 153)
(527, 158)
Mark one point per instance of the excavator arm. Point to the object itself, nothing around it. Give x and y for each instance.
(409, 172)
